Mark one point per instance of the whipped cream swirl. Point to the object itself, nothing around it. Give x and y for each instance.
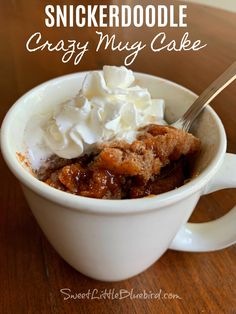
(108, 106)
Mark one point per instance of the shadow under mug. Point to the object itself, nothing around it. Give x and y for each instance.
(112, 240)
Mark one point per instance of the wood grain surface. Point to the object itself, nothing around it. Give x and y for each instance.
(31, 272)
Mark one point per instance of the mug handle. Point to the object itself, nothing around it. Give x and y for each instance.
(216, 234)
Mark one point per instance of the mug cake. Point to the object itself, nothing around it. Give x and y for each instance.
(110, 141)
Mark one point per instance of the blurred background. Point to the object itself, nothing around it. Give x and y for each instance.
(229, 5)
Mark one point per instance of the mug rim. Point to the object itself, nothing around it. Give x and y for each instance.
(101, 206)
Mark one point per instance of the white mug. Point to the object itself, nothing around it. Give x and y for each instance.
(112, 240)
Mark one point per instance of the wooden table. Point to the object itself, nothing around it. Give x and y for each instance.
(31, 272)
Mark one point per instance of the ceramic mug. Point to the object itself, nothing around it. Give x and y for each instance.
(112, 240)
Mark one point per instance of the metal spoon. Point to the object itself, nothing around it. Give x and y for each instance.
(207, 96)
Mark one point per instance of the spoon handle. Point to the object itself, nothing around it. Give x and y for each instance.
(207, 96)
